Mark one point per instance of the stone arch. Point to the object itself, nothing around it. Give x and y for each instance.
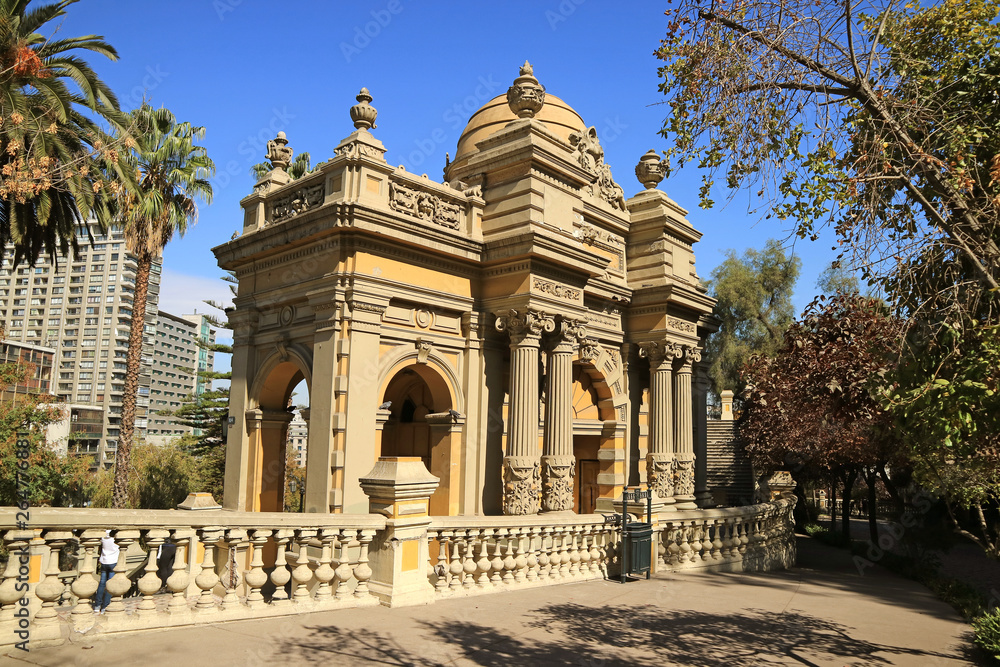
(267, 425)
(424, 420)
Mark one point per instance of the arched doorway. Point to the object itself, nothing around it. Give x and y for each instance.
(417, 418)
(595, 434)
(269, 457)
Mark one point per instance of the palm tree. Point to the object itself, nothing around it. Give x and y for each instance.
(51, 154)
(170, 173)
(297, 169)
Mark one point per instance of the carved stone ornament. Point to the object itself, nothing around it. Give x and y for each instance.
(557, 483)
(660, 474)
(278, 152)
(650, 170)
(684, 477)
(555, 289)
(359, 149)
(424, 205)
(590, 156)
(590, 351)
(297, 201)
(424, 348)
(678, 324)
(363, 113)
(520, 485)
(521, 324)
(659, 351)
(526, 96)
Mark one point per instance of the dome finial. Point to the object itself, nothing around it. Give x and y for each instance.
(363, 113)
(526, 96)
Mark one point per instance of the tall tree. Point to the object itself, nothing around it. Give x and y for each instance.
(172, 172)
(55, 158)
(835, 280)
(753, 295)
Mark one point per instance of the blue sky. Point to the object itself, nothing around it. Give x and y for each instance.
(245, 69)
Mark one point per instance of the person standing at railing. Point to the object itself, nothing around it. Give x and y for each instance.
(108, 560)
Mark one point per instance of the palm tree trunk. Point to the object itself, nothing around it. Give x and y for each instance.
(133, 362)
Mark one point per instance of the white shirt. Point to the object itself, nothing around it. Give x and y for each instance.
(109, 551)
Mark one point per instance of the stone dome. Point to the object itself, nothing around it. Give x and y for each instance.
(558, 116)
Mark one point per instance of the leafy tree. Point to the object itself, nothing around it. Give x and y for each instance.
(835, 280)
(883, 123)
(172, 173)
(46, 477)
(58, 166)
(297, 169)
(813, 405)
(754, 304)
(163, 477)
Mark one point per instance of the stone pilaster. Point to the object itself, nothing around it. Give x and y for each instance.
(660, 459)
(684, 485)
(521, 466)
(558, 462)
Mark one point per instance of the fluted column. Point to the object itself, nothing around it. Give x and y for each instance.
(683, 432)
(558, 462)
(699, 414)
(660, 456)
(520, 466)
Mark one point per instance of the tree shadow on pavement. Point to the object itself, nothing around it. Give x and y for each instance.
(572, 634)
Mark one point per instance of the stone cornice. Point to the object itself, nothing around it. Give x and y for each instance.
(543, 246)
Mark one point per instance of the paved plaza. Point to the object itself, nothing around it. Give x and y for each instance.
(821, 613)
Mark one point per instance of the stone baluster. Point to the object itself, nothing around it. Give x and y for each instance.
(531, 561)
(685, 546)
(46, 621)
(469, 563)
(660, 459)
(177, 582)
(744, 538)
(344, 571)
(585, 537)
(520, 558)
(256, 577)
(363, 572)
(208, 577)
(281, 575)
(302, 574)
(235, 539)
(696, 541)
(558, 462)
(508, 558)
(496, 565)
(456, 568)
(441, 585)
(574, 551)
(564, 557)
(85, 585)
(118, 585)
(17, 542)
(521, 464)
(719, 526)
(544, 553)
(596, 554)
(149, 583)
(324, 573)
(483, 564)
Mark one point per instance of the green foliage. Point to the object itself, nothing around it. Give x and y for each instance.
(754, 304)
(297, 169)
(162, 477)
(835, 280)
(58, 165)
(987, 629)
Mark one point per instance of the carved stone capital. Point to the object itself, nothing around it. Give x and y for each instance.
(567, 335)
(521, 477)
(557, 483)
(684, 475)
(660, 474)
(658, 351)
(687, 356)
(525, 325)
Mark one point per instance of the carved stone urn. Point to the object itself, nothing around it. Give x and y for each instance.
(650, 170)
(363, 113)
(526, 96)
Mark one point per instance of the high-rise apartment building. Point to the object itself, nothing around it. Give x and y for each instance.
(82, 307)
(298, 437)
(177, 360)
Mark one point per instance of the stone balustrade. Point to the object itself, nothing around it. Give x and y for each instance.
(475, 555)
(235, 565)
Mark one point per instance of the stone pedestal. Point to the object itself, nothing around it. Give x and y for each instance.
(400, 488)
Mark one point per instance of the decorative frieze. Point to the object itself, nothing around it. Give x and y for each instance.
(556, 290)
(424, 205)
(685, 326)
(358, 149)
(298, 201)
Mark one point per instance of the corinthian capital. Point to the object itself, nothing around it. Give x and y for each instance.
(688, 356)
(658, 351)
(525, 324)
(567, 334)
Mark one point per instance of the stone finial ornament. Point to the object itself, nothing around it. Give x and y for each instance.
(650, 170)
(526, 96)
(363, 113)
(278, 152)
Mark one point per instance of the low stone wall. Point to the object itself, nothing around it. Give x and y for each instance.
(234, 565)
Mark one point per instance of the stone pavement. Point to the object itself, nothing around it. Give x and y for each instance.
(822, 613)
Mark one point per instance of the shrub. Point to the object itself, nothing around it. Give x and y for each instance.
(987, 629)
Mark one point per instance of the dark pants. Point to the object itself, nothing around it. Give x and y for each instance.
(103, 598)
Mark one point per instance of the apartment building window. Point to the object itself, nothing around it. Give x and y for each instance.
(93, 299)
(97, 279)
(94, 289)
